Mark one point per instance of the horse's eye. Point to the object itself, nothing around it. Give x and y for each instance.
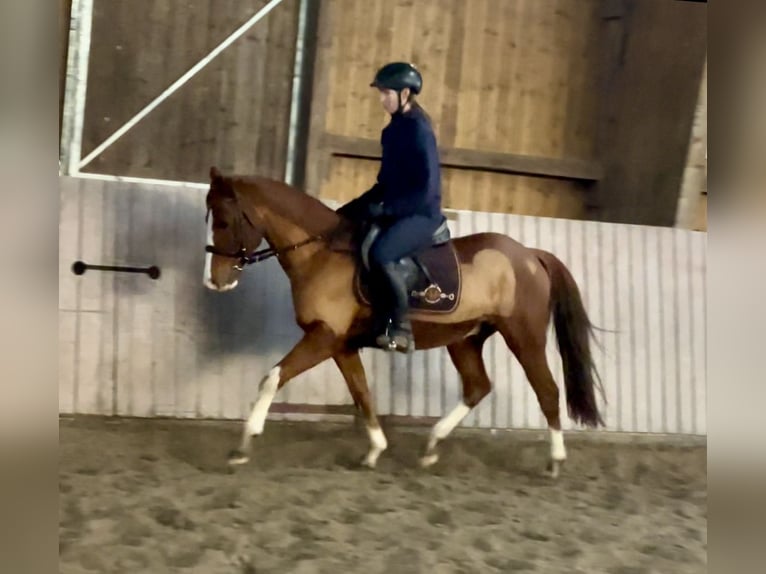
(220, 225)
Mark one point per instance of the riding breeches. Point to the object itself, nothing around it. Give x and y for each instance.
(403, 238)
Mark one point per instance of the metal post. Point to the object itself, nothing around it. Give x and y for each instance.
(76, 85)
(296, 93)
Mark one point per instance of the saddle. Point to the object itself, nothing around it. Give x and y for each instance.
(432, 274)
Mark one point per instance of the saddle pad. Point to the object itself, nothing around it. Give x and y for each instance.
(441, 296)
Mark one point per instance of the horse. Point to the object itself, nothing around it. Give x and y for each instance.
(504, 287)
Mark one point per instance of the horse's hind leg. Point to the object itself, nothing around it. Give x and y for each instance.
(530, 350)
(466, 356)
(350, 365)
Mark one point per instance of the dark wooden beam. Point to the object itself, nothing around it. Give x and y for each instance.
(562, 168)
(653, 55)
(317, 159)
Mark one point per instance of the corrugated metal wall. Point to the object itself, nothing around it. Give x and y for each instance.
(132, 346)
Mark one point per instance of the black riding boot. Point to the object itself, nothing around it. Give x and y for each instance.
(399, 334)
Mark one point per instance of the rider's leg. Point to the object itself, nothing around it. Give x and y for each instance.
(400, 240)
(400, 334)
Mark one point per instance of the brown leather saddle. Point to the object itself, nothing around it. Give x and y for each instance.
(432, 274)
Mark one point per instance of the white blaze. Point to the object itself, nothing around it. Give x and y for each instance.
(207, 276)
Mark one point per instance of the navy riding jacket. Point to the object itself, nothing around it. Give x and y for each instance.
(409, 180)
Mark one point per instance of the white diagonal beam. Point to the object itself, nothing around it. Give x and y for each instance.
(179, 82)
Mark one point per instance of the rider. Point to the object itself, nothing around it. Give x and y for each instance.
(406, 199)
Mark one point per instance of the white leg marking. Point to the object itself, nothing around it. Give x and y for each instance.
(229, 287)
(558, 452)
(442, 429)
(447, 424)
(378, 444)
(207, 276)
(266, 394)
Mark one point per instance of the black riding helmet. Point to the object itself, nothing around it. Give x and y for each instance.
(397, 76)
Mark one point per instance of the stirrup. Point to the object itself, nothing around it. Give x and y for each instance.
(401, 340)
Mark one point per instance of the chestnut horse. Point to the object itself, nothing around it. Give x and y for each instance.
(506, 288)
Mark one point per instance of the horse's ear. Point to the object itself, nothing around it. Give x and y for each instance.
(214, 173)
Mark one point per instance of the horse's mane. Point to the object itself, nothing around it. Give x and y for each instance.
(298, 207)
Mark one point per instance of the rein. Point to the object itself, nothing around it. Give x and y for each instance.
(262, 254)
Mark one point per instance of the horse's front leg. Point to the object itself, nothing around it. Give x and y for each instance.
(317, 345)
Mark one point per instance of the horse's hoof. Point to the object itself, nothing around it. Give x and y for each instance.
(429, 460)
(237, 457)
(553, 469)
(368, 463)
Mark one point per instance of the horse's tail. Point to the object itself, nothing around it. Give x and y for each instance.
(573, 333)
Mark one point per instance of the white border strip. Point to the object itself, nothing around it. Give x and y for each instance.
(142, 180)
(297, 92)
(76, 86)
(179, 82)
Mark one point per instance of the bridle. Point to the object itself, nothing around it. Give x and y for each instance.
(256, 256)
(244, 258)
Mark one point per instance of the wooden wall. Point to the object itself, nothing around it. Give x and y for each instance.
(541, 107)
(505, 81)
(234, 113)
